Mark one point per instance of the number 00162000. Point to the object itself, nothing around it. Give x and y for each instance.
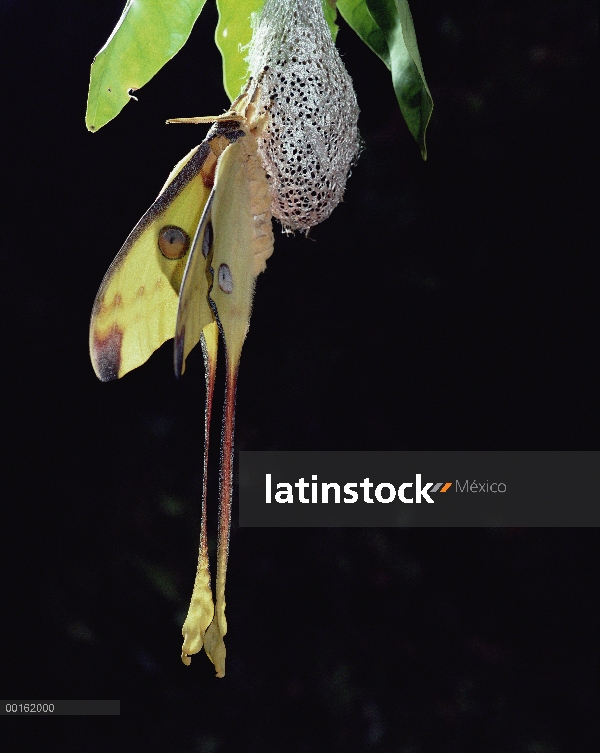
(30, 708)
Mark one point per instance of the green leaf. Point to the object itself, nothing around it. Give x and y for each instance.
(234, 32)
(356, 14)
(148, 34)
(233, 35)
(330, 13)
(386, 26)
(151, 32)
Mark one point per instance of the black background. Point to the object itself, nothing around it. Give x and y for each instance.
(444, 305)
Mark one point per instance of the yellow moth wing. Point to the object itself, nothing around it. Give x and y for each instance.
(194, 311)
(242, 238)
(242, 241)
(235, 238)
(136, 306)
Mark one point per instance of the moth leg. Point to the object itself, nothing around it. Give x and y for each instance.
(234, 112)
(241, 96)
(209, 118)
(241, 107)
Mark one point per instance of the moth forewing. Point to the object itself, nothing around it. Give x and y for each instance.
(136, 306)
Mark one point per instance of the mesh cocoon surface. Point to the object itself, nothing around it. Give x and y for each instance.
(311, 139)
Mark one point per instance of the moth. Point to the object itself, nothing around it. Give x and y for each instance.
(187, 270)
